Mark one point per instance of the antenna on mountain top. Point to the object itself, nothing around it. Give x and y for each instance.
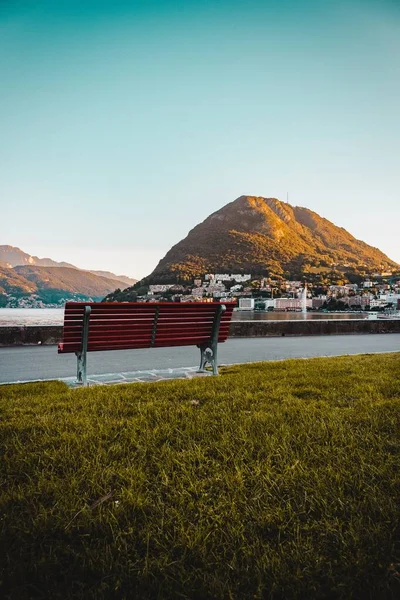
(287, 197)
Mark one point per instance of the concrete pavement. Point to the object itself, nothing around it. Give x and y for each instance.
(27, 363)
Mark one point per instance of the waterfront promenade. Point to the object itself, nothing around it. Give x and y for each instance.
(27, 363)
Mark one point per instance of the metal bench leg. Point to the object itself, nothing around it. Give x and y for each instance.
(81, 375)
(208, 355)
(209, 350)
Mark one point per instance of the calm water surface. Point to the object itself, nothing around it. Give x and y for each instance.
(31, 316)
(55, 316)
(248, 315)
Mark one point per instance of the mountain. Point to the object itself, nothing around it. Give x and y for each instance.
(15, 256)
(12, 282)
(11, 256)
(121, 278)
(67, 279)
(264, 236)
(52, 284)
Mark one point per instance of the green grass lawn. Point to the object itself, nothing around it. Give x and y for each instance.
(275, 480)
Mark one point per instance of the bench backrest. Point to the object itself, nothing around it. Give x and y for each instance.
(128, 325)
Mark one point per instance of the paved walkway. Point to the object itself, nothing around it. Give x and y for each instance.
(40, 363)
(138, 376)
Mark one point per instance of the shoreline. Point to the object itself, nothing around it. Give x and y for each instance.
(36, 335)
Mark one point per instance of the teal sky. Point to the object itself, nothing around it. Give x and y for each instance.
(124, 124)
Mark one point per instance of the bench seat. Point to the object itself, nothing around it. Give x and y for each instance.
(100, 326)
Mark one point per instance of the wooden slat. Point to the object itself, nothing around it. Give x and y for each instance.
(179, 342)
(178, 306)
(113, 317)
(69, 348)
(110, 327)
(121, 325)
(183, 326)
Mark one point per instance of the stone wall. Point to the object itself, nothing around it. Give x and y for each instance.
(36, 335)
(30, 336)
(311, 327)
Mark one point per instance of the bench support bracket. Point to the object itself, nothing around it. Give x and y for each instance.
(209, 350)
(81, 376)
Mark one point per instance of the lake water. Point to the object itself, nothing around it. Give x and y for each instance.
(55, 316)
(248, 315)
(31, 316)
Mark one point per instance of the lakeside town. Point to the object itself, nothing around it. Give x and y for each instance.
(378, 292)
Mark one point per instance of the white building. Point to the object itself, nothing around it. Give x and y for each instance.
(154, 289)
(269, 303)
(295, 304)
(198, 292)
(377, 303)
(227, 277)
(390, 297)
(246, 304)
(216, 287)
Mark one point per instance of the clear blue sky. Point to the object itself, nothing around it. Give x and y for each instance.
(123, 124)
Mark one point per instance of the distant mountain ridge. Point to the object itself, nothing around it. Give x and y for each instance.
(67, 279)
(265, 236)
(11, 256)
(11, 282)
(53, 284)
(27, 280)
(109, 275)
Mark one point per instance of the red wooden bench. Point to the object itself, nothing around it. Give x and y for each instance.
(96, 326)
